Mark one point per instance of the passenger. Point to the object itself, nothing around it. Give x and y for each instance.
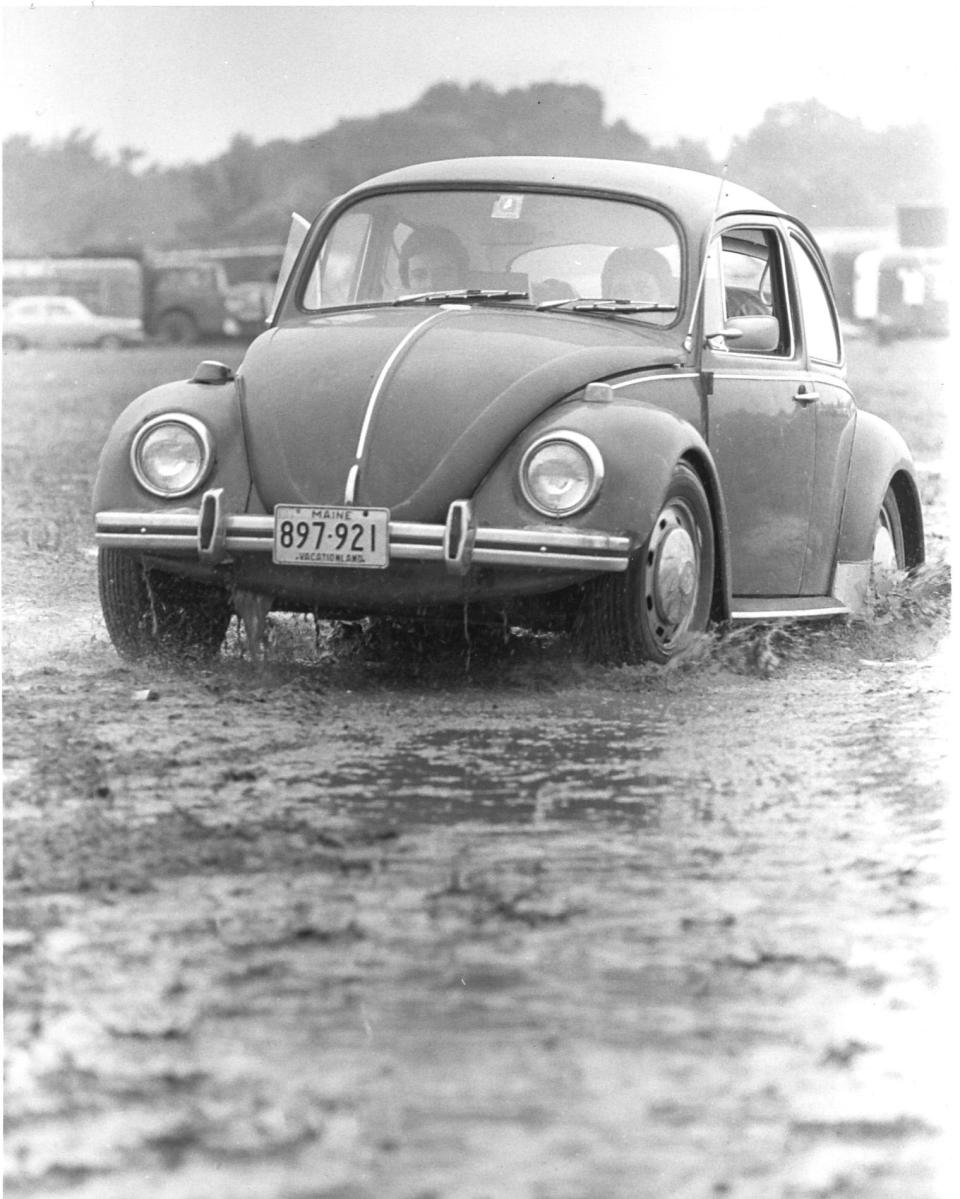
(433, 259)
(631, 273)
(551, 289)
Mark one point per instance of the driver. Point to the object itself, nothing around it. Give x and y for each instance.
(631, 273)
(433, 259)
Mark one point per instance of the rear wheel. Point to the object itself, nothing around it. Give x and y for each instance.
(888, 548)
(666, 592)
(889, 558)
(154, 613)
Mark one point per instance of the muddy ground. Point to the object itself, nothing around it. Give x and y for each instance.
(385, 921)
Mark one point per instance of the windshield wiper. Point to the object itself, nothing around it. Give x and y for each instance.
(470, 295)
(586, 304)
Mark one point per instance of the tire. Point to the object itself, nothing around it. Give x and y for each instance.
(110, 343)
(889, 557)
(152, 613)
(666, 593)
(13, 342)
(177, 328)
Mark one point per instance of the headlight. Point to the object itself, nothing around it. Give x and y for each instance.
(561, 473)
(172, 454)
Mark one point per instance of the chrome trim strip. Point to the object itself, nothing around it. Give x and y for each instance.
(386, 371)
(786, 377)
(555, 539)
(652, 378)
(170, 542)
(765, 376)
(786, 613)
(538, 558)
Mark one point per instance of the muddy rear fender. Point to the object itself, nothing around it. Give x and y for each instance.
(880, 459)
(116, 487)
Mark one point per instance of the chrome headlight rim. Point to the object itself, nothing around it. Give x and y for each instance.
(595, 459)
(203, 436)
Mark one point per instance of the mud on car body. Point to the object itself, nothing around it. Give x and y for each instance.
(564, 393)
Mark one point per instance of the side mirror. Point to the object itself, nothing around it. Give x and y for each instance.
(759, 333)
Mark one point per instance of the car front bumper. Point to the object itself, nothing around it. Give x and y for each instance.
(211, 535)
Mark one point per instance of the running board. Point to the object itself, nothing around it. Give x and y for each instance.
(807, 607)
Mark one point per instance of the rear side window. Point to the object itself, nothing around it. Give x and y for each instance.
(819, 317)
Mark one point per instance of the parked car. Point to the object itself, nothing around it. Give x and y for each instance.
(606, 397)
(64, 321)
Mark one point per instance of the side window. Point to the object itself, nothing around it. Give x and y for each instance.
(819, 320)
(751, 268)
(745, 279)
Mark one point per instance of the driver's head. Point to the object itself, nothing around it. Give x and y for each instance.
(433, 259)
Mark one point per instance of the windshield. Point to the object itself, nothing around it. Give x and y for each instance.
(523, 247)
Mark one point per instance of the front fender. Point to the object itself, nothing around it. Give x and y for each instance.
(880, 459)
(216, 405)
(641, 445)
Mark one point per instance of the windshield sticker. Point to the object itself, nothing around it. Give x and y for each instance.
(507, 208)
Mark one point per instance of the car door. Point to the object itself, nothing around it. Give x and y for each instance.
(30, 321)
(833, 407)
(762, 427)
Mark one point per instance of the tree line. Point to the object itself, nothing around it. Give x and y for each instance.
(70, 197)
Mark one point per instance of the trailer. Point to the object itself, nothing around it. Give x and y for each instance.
(107, 286)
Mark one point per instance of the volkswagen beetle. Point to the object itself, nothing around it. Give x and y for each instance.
(606, 397)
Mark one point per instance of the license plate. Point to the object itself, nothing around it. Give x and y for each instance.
(310, 536)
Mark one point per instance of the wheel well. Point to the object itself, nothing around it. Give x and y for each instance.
(911, 518)
(720, 606)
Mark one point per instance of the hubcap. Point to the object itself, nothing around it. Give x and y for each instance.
(672, 572)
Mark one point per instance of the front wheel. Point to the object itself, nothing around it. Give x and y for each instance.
(150, 612)
(666, 592)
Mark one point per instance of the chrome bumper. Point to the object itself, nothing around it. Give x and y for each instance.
(213, 536)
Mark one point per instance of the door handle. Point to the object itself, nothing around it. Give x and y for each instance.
(806, 395)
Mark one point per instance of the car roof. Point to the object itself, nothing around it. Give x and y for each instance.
(39, 298)
(691, 194)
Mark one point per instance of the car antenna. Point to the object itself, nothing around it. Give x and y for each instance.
(688, 340)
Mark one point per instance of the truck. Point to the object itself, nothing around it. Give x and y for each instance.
(180, 295)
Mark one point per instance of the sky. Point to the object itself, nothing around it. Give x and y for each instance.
(177, 82)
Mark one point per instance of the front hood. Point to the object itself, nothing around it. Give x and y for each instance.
(421, 402)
